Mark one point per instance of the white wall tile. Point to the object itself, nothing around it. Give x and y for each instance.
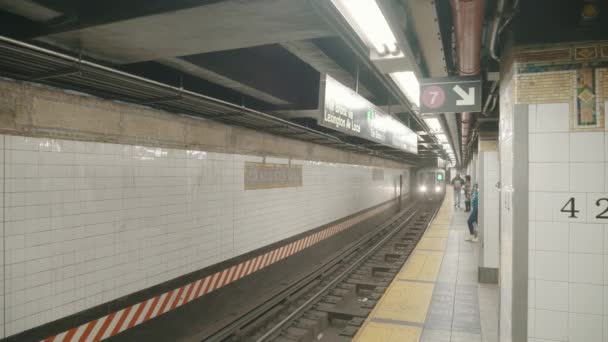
(587, 147)
(551, 325)
(553, 236)
(606, 145)
(533, 123)
(531, 293)
(585, 328)
(606, 239)
(548, 205)
(606, 270)
(586, 238)
(549, 147)
(586, 268)
(551, 266)
(586, 298)
(551, 295)
(549, 177)
(531, 264)
(576, 210)
(586, 177)
(531, 323)
(552, 117)
(597, 207)
(532, 234)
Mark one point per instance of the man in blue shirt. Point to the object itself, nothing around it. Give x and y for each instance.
(473, 217)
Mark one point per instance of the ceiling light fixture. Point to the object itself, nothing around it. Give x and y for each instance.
(408, 83)
(366, 18)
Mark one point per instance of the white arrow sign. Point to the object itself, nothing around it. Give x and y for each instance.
(467, 99)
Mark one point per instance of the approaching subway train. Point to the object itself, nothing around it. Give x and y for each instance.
(430, 183)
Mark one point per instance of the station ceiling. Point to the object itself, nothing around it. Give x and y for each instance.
(266, 55)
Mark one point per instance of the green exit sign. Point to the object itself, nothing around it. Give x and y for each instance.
(440, 176)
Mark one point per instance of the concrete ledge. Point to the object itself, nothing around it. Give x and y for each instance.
(41, 111)
(487, 275)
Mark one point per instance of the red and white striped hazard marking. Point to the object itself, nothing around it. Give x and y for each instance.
(119, 321)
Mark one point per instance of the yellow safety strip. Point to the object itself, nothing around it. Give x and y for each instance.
(401, 311)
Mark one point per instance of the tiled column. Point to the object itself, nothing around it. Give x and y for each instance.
(488, 210)
(553, 98)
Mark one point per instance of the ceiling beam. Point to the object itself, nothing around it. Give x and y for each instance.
(310, 53)
(78, 15)
(199, 71)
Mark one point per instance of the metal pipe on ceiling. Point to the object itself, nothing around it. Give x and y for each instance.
(468, 22)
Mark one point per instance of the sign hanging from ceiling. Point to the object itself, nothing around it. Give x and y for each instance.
(450, 95)
(344, 110)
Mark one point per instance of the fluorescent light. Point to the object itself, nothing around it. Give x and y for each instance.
(442, 138)
(434, 125)
(345, 94)
(367, 20)
(408, 83)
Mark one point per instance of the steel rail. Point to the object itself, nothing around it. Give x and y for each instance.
(304, 281)
(341, 276)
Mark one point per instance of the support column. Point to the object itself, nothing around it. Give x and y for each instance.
(487, 178)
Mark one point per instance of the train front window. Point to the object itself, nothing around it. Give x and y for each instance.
(428, 178)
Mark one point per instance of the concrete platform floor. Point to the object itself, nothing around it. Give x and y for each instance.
(462, 310)
(436, 297)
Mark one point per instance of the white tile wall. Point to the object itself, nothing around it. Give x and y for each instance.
(549, 117)
(586, 177)
(568, 263)
(549, 176)
(549, 147)
(586, 238)
(587, 147)
(586, 298)
(89, 222)
(551, 325)
(552, 295)
(554, 236)
(489, 208)
(584, 328)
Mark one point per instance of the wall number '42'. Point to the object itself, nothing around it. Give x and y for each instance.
(570, 208)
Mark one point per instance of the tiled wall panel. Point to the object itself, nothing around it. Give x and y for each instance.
(86, 222)
(567, 264)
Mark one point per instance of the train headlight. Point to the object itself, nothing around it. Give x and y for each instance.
(437, 189)
(423, 188)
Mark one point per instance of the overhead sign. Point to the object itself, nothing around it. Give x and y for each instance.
(450, 95)
(346, 111)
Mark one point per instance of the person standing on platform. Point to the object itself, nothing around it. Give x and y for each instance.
(473, 217)
(467, 193)
(457, 183)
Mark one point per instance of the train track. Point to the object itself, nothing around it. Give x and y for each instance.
(331, 303)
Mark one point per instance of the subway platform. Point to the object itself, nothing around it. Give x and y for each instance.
(436, 296)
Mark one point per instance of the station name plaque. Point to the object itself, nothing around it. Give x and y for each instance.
(270, 176)
(346, 111)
